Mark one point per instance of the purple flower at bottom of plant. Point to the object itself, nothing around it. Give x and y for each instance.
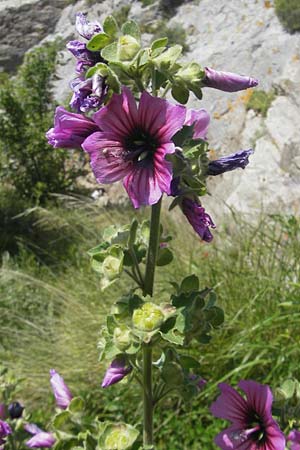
(2, 411)
(133, 145)
(61, 391)
(70, 130)
(294, 438)
(116, 372)
(5, 430)
(40, 439)
(85, 28)
(252, 425)
(227, 81)
(200, 119)
(230, 162)
(198, 218)
(88, 93)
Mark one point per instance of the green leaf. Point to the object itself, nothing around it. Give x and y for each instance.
(168, 58)
(159, 43)
(118, 436)
(132, 29)
(172, 374)
(180, 94)
(76, 405)
(110, 52)
(165, 256)
(110, 26)
(189, 284)
(127, 48)
(61, 418)
(215, 316)
(98, 42)
(188, 362)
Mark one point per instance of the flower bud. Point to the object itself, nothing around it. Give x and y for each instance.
(148, 318)
(61, 391)
(112, 267)
(227, 81)
(128, 47)
(122, 338)
(15, 410)
(116, 372)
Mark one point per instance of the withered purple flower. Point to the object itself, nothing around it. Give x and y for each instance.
(40, 439)
(116, 372)
(198, 218)
(230, 162)
(227, 81)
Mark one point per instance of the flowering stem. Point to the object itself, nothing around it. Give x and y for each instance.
(148, 397)
(147, 349)
(153, 249)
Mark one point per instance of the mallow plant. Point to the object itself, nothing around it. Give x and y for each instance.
(157, 147)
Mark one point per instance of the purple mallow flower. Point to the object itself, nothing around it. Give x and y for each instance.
(198, 218)
(252, 425)
(88, 93)
(70, 130)
(116, 372)
(40, 439)
(294, 438)
(200, 119)
(15, 410)
(61, 391)
(227, 81)
(85, 28)
(230, 162)
(5, 430)
(133, 144)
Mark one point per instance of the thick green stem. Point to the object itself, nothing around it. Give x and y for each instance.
(147, 349)
(148, 397)
(153, 248)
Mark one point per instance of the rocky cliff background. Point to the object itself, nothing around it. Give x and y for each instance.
(243, 36)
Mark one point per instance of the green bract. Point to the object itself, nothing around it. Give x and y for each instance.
(148, 318)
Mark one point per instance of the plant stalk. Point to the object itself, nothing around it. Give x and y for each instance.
(147, 349)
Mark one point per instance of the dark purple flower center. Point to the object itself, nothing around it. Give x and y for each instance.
(140, 147)
(256, 429)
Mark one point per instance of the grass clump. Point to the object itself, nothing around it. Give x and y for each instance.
(288, 12)
(260, 101)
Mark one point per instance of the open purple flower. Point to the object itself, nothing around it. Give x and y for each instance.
(133, 144)
(252, 425)
(200, 119)
(85, 28)
(40, 439)
(5, 430)
(198, 218)
(70, 130)
(294, 438)
(230, 162)
(61, 391)
(116, 372)
(227, 81)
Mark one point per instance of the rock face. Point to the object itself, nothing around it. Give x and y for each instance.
(238, 36)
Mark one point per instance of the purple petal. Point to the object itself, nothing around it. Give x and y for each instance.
(198, 218)
(70, 130)
(120, 116)
(259, 397)
(230, 162)
(79, 50)
(294, 438)
(227, 81)
(159, 117)
(200, 119)
(116, 372)
(32, 428)
(5, 429)
(230, 405)
(61, 391)
(43, 440)
(85, 28)
(107, 160)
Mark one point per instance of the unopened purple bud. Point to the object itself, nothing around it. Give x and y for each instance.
(116, 372)
(227, 81)
(61, 391)
(85, 28)
(230, 162)
(41, 440)
(15, 410)
(198, 218)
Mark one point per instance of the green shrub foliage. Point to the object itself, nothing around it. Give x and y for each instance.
(26, 110)
(288, 12)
